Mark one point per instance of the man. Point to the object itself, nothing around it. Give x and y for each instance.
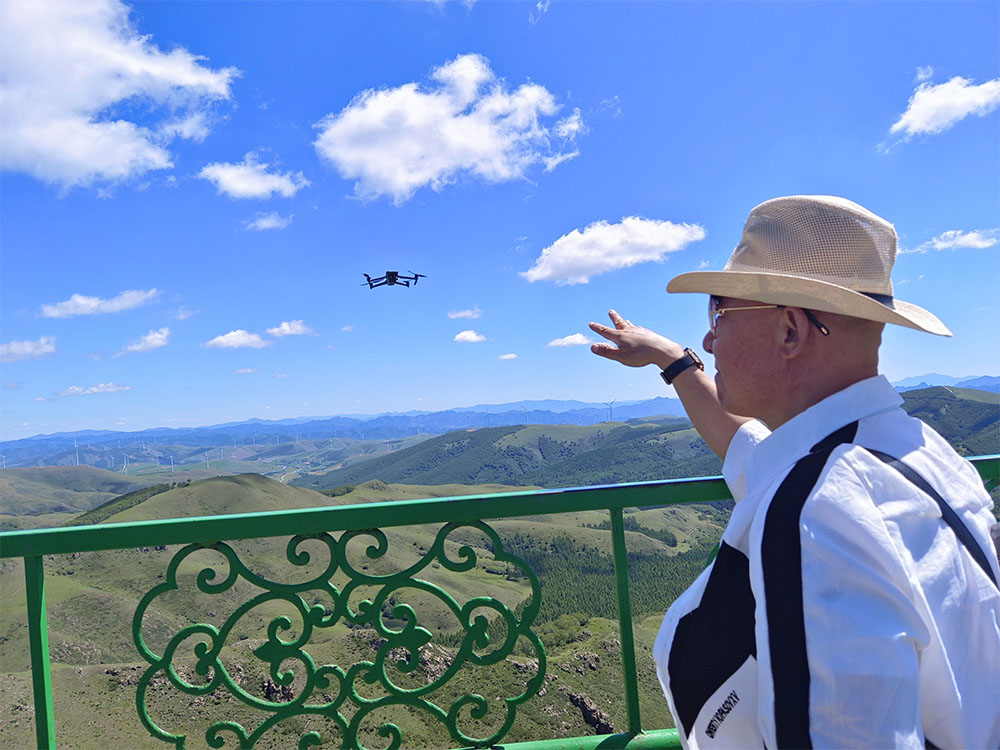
(853, 601)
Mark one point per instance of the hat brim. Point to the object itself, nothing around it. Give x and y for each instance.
(812, 294)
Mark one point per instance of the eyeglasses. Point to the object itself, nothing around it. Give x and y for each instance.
(715, 312)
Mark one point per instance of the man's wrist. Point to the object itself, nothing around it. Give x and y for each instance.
(685, 362)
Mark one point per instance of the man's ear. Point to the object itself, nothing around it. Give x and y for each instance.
(793, 332)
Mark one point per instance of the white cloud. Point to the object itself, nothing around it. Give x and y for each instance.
(956, 239)
(347, 328)
(251, 179)
(570, 127)
(704, 264)
(76, 390)
(247, 371)
(79, 304)
(88, 99)
(551, 162)
(924, 73)
(542, 7)
(469, 337)
(507, 356)
(603, 247)
(290, 328)
(183, 313)
(237, 339)
(149, 342)
(575, 339)
(472, 314)
(13, 351)
(270, 220)
(934, 108)
(393, 141)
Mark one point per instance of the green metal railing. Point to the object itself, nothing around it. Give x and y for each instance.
(400, 645)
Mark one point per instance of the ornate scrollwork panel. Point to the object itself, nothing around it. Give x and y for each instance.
(404, 668)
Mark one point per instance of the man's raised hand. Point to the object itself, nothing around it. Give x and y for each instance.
(633, 345)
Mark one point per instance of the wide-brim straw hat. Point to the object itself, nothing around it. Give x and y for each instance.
(817, 252)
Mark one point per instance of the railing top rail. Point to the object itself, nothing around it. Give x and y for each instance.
(367, 515)
(361, 516)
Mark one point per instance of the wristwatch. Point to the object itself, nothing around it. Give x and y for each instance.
(675, 368)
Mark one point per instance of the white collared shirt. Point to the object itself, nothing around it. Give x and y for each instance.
(841, 611)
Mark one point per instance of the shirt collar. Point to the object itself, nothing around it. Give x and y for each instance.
(792, 440)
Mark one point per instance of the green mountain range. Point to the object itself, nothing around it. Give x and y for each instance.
(613, 452)
(539, 455)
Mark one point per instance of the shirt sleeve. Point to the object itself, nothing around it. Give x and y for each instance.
(847, 669)
(741, 446)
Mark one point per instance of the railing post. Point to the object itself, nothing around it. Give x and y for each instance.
(38, 638)
(625, 621)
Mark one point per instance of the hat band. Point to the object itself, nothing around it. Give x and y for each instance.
(882, 299)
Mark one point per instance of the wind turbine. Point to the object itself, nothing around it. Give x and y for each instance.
(611, 411)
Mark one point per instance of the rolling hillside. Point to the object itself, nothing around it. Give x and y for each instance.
(60, 489)
(91, 598)
(613, 452)
(967, 418)
(540, 455)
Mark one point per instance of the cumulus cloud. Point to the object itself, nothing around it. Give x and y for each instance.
(956, 239)
(14, 351)
(469, 337)
(934, 108)
(270, 220)
(602, 247)
(507, 356)
(79, 304)
(251, 178)
(290, 328)
(466, 122)
(88, 99)
(183, 313)
(236, 340)
(472, 314)
(924, 73)
(76, 390)
(575, 339)
(149, 342)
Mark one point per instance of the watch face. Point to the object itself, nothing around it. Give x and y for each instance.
(696, 358)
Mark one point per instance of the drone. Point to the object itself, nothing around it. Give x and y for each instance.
(392, 278)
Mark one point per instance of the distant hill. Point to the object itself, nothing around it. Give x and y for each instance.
(968, 419)
(609, 453)
(540, 455)
(919, 382)
(60, 489)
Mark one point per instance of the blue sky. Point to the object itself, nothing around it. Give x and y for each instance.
(192, 191)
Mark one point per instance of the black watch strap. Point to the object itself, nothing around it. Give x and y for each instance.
(675, 368)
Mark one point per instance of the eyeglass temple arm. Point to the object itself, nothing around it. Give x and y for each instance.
(812, 318)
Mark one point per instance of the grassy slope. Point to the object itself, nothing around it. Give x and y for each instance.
(91, 598)
(60, 489)
(541, 455)
(968, 419)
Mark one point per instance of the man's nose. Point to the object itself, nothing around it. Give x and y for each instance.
(707, 343)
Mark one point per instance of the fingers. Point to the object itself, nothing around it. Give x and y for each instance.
(605, 350)
(608, 333)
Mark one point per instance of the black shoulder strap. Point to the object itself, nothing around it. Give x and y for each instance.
(950, 516)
